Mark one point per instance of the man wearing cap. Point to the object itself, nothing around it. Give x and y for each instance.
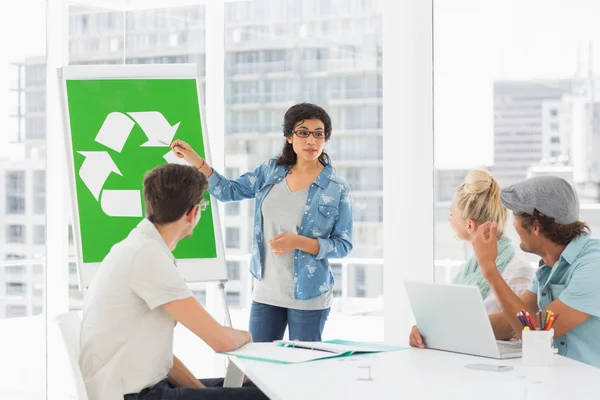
(546, 211)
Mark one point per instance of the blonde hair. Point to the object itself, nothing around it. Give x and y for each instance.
(479, 199)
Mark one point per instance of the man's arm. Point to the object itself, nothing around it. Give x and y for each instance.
(505, 323)
(194, 317)
(486, 251)
(510, 304)
(180, 376)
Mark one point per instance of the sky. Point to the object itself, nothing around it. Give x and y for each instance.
(475, 43)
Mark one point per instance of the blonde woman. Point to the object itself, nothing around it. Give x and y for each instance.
(477, 201)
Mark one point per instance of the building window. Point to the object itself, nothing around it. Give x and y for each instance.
(39, 235)
(71, 238)
(37, 310)
(553, 112)
(15, 269)
(15, 192)
(232, 238)
(15, 233)
(232, 209)
(15, 289)
(72, 268)
(39, 192)
(75, 293)
(233, 299)
(13, 311)
(38, 290)
(35, 128)
(554, 127)
(200, 295)
(359, 281)
(336, 270)
(555, 139)
(233, 270)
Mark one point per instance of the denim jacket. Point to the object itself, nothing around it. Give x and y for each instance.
(327, 218)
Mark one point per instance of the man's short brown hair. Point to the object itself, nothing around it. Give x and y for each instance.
(558, 233)
(171, 191)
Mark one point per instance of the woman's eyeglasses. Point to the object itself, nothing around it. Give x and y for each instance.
(303, 133)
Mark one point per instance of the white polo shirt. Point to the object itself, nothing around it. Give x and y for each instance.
(126, 337)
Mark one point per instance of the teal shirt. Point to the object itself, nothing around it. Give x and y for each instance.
(575, 280)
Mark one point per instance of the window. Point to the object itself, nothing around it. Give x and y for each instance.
(38, 269)
(233, 270)
(232, 209)
(233, 299)
(15, 289)
(359, 282)
(14, 311)
(39, 235)
(35, 101)
(37, 310)
(555, 139)
(200, 295)
(15, 192)
(72, 268)
(39, 192)
(15, 233)
(15, 269)
(74, 292)
(243, 92)
(368, 209)
(553, 112)
(38, 290)
(232, 238)
(35, 128)
(35, 75)
(336, 270)
(71, 237)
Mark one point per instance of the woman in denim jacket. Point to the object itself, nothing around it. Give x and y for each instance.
(302, 217)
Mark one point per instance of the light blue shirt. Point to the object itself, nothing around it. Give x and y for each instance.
(327, 218)
(575, 280)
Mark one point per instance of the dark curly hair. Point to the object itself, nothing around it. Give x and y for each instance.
(558, 233)
(293, 116)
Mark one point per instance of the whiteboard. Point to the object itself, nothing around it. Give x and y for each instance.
(118, 122)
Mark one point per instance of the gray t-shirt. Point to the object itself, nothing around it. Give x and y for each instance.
(126, 337)
(282, 212)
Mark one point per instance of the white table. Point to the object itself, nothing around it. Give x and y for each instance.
(421, 374)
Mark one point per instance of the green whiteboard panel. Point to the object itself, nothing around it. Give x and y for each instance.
(119, 128)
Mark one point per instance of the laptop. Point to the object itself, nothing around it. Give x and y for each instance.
(453, 318)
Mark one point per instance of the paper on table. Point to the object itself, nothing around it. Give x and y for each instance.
(280, 354)
(341, 346)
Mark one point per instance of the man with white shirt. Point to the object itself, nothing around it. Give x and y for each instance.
(137, 296)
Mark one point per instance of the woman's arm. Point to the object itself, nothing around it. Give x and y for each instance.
(223, 189)
(337, 245)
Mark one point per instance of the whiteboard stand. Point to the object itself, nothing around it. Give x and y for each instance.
(234, 376)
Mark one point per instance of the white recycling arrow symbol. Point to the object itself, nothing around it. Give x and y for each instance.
(98, 165)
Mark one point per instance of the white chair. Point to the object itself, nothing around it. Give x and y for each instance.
(70, 327)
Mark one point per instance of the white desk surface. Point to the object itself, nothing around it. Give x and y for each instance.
(421, 374)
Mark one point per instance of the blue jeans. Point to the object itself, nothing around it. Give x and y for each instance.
(268, 323)
(214, 390)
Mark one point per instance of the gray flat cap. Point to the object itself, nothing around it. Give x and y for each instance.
(550, 195)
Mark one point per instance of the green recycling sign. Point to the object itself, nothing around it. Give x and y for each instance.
(120, 130)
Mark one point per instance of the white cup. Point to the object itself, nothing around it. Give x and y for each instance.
(537, 347)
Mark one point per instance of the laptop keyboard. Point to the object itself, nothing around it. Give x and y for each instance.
(509, 347)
